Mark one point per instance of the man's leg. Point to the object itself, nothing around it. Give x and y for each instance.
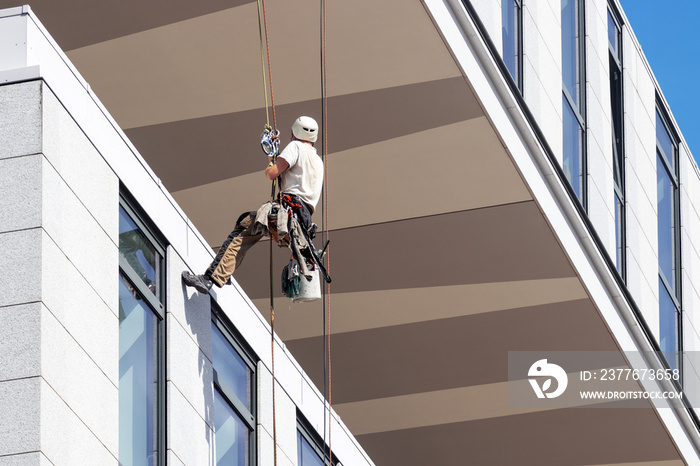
(228, 258)
(234, 249)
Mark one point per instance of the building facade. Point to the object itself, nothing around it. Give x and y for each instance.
(504, 178)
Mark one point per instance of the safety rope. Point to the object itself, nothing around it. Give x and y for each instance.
(269, 63)
(262, 66)
(262, 24)
(324, 227)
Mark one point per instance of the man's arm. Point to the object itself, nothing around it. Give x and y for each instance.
(273, 171)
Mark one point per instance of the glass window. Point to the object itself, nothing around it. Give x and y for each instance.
(232, 435)
(613, 36)
(619, 235)
(306, 454)
(138, 379)
(141, 343)
(666, 223)
(617, 119)
(230, 367)
(664, 143)
(571, 49)
(511, 16)
(668, 326)
(573, 144)
(234, 399)
(573, 96)
(311, 449)
(138, 252)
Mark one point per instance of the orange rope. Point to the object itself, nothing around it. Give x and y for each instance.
(269, 67)
(327, 301)
(272, 295)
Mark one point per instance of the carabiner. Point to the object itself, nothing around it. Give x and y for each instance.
(270, 141)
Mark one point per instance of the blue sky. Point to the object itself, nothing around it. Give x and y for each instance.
(669, 33)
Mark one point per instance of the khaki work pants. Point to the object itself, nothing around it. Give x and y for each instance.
(232, 252)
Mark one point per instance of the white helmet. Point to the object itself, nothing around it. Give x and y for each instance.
(305, 128)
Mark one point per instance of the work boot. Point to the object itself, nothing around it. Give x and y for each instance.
(200, 282)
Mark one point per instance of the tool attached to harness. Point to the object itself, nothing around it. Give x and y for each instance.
(308, 230)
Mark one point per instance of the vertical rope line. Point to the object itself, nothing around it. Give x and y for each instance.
(272, 195)
(269, 66)
(327, 294)
(262, 63)
(272, 349)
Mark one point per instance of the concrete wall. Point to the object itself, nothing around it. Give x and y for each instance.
(61, 164)
(58, 304)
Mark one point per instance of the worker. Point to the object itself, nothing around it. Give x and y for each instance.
(300, 172)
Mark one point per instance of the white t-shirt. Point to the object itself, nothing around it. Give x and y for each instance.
(304, 177)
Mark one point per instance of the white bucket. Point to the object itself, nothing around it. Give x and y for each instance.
(309, 290)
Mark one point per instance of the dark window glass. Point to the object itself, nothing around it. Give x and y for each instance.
(619, 235)
(666, 211)
(138, 382)
(668, 326)
(570, 49)
(139, 253)
(306, 454)
(617, 118)
(232, 435)
(664, 142)
(230, 368)
(511, 16)
(573, 148)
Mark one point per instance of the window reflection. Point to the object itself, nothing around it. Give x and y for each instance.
(570, 48)
(231, 434)
(619, 234)
(666, 223)
(230, 368)
(138, 252)
(668, 326)
(613, 35)
(572, 148)
(511, 14)
(663, 140)
(137, 379)
(306, 455)
(233, 387)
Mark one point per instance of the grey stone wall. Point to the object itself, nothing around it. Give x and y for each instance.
(58, 312)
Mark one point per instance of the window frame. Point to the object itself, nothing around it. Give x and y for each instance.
(237, 342)
(579, 110)
(615, 57)
(157, 306)
(673, 174)
(673, 171)
(518, 42)
(315, 441)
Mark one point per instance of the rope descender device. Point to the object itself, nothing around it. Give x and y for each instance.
(270, 141)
